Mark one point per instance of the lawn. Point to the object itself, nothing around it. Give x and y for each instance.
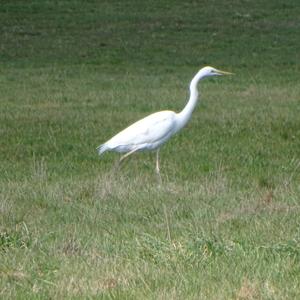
(224, 224)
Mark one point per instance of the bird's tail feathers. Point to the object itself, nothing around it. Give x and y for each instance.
(102, 148)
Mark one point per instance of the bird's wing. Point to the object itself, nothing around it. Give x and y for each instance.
(149, 130)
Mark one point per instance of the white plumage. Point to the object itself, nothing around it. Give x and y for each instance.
(145, 134)
(154, 130)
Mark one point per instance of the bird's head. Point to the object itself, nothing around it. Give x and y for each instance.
(210, 71)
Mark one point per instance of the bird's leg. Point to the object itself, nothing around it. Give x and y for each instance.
(127, 154)
(157, 166)
(118, 164)
(157, 161)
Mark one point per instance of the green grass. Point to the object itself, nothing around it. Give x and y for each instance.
(225, 223)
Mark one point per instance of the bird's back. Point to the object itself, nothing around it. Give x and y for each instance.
(147, 133)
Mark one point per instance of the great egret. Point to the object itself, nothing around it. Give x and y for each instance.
(154, 130)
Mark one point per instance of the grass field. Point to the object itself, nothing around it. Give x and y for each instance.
(225, 223)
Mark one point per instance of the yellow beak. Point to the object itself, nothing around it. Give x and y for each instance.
(224, 73)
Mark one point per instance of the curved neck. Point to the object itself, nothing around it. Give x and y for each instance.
(186, 113)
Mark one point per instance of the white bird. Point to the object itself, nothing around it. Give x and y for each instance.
(151, 132)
